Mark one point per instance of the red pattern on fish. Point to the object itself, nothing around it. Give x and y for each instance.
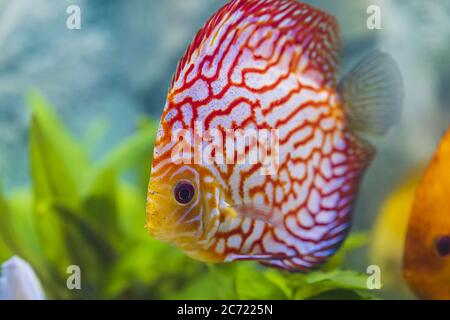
(261, 64)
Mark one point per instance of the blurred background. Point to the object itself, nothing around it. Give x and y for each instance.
(103, 88)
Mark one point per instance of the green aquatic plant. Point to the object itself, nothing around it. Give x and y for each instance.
(92, 213)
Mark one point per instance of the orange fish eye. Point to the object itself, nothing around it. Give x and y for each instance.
(184, 192)
(443, 246)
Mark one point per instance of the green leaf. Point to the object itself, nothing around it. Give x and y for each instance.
(340, 294)
(355, 240)
(67, 240)
(339, 279)
(5, 252)
(52, 181)
(133, 151)
(222, 278)
(16, 226)
(57, 135)
(24, 231)
(25, 234)
(254, 285)
(282, 281)
(94, 134)
(6, 226)
(157, 266)
(100, 205)
(200, 288)
(88, 249)
(318, 282)
(131, 212)
(52, 236)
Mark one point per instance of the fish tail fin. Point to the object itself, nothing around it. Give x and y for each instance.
(373, 94)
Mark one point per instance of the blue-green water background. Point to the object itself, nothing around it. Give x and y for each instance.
(119, 65)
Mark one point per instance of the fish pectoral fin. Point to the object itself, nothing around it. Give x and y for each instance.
(373, 94)
(254, 211)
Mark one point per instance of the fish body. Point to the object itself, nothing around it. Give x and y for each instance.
(268, 65)
(426, 261)
(389, 232)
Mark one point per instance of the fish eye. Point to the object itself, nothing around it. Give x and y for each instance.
(443, 246)
(184, 192)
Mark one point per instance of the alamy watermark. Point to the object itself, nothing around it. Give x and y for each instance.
(374, 278)
(374, 19)
(73, 21)
(74, 279)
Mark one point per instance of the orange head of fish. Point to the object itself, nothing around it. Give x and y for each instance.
(427, 247)
(182, 209)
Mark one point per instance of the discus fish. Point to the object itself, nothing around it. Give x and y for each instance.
(389, 232)
(268, 65)
(427, 246)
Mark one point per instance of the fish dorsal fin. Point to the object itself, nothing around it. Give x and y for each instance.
(373, 94)
(315, 31)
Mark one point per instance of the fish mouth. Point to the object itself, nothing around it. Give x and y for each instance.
(186, 242)
(163, 234)
(165, 228)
